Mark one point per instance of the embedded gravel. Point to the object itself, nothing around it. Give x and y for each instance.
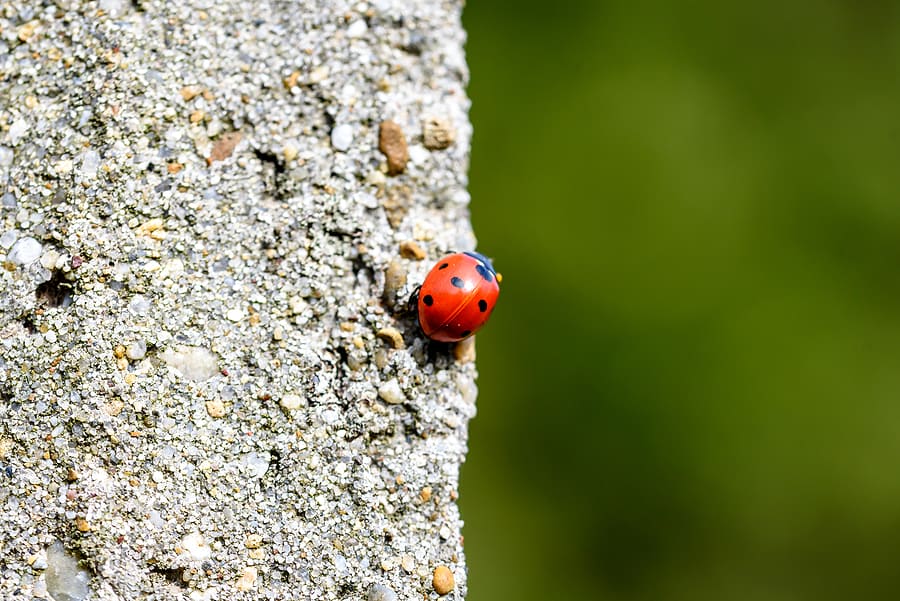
(195, 224)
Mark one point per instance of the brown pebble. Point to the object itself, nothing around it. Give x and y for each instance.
(464, 350)
(442, 580)
(411, 250)
(119, 351)
(394, 280)
(224, 146)
(437, 133)
(392, 143)
(396, 204)
(425, 494)
(190, 92)
(392, 336)
(253, 541)
(72, 475)
(215, 408)
(291, 80)
(174, 168)
(82, 525)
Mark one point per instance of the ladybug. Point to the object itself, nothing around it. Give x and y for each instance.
(457, 296)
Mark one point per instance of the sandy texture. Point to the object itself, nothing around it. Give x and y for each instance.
(195, 225)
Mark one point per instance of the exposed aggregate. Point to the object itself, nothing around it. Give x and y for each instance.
(208, 386)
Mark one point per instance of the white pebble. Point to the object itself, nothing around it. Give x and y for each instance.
(8, 238)
(17, 130)
(291, 401)
(342, 137)
(390, 392)
(196, 546)
(357, 29)
(90, 162)
(65, 580)
(113, 8)
(234, 315)
(24, 252)
(318, 74)
(418, 154)
(50, 336)
(194, 363)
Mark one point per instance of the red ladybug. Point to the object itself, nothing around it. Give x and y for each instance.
(457, 296)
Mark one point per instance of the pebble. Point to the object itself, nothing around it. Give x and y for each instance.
(253, 541)
(188, 93)
(194, 363)
(90, 162)
(342, 137)
(394, 281)
(437, 133)
(390, 392)
(113, 8)
(215, 408)
(8, 238)
(291, 401)
(410, 249)
(442, 580)
(137, 350)
(290, 152)
(39, 561)
(224, 146)
(25, 251)
(379, 592)
(392, 336)
(64, 578)
(464, 350)
(408, 563)
(392, 143)
(291, 80)
(17, 130)
(425, 494)
(247, 579)
(357, 29)
(195, 546)
(318, 75)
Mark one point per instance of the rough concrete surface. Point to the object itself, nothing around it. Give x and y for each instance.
(208, 386)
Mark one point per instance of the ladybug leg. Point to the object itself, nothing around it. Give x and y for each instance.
(413, 300)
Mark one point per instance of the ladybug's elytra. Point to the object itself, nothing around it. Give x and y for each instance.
(457, 296)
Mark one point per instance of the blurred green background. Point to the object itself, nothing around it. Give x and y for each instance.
(690, 389)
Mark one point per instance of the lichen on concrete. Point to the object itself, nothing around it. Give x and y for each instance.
(195, 225)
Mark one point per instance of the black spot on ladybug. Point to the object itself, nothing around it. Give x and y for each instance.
(482, 305)
(428, 300)
(444, 266)
(482, 259)
(484, 272)
(465, 333)
(457, 282)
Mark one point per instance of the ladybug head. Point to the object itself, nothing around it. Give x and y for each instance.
(487, 271)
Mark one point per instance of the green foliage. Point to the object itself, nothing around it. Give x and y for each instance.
(690, 388)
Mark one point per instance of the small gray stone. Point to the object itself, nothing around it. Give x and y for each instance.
(379, 592)
(25, 251)
(136, 350)
(8, 238)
